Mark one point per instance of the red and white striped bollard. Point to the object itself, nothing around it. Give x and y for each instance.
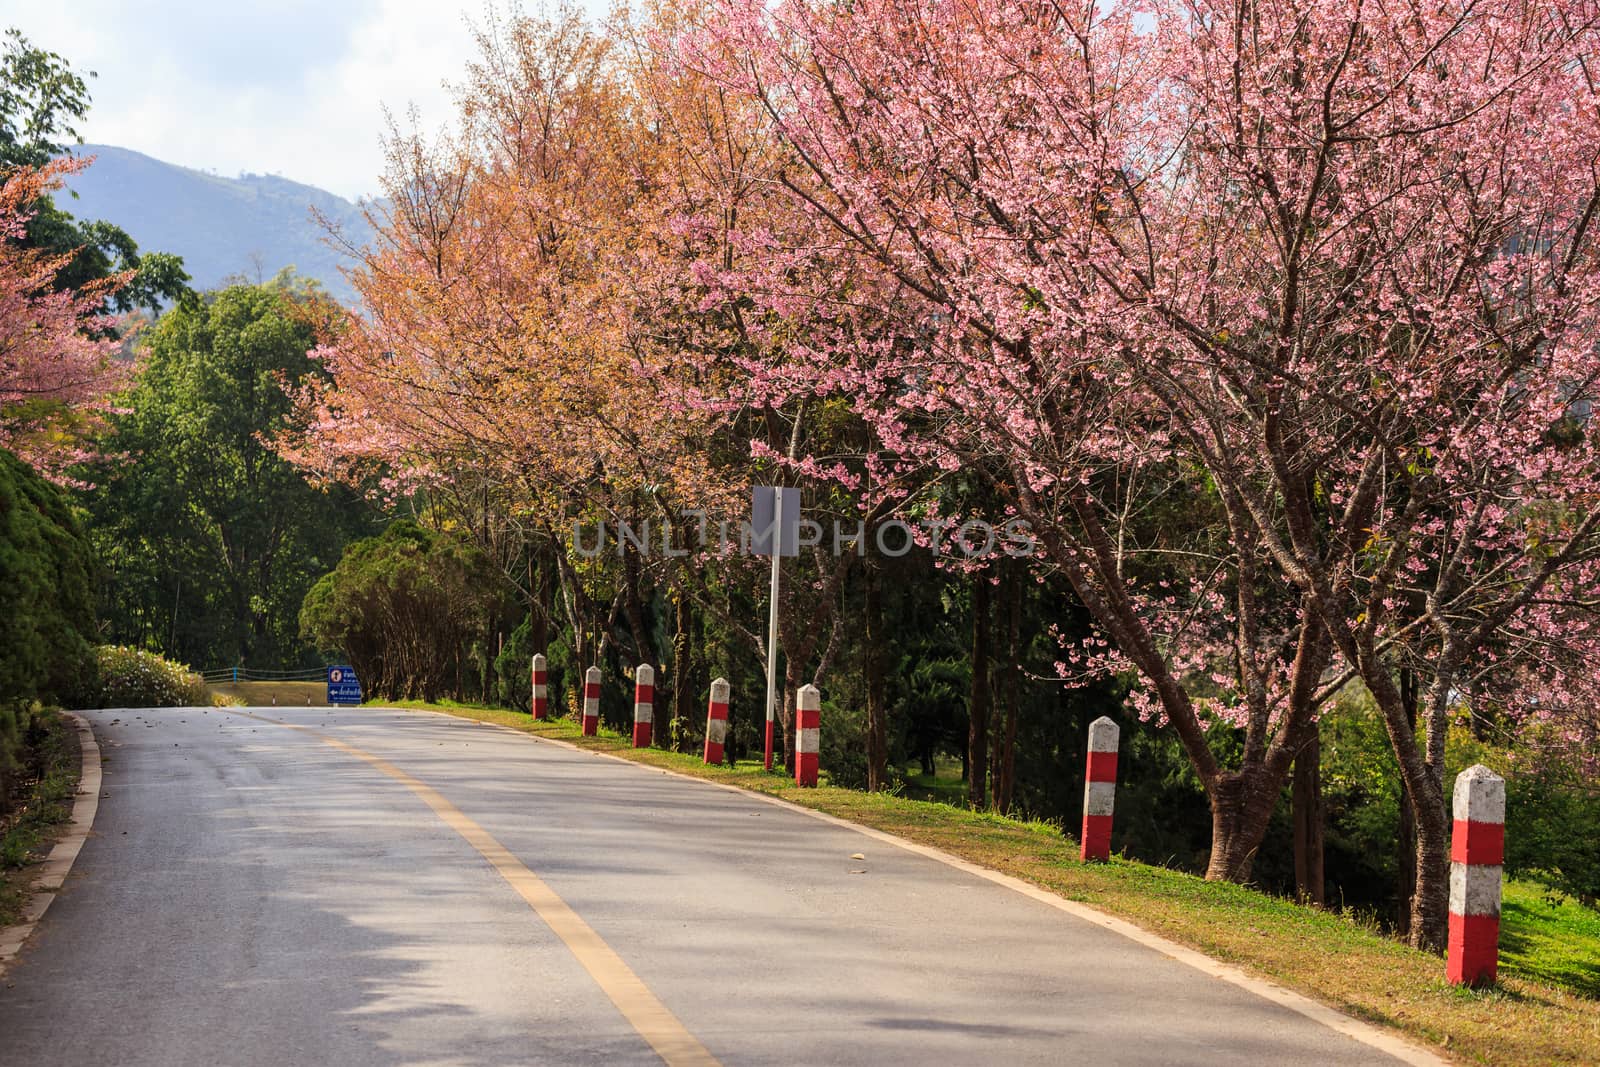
(1477, 851)
(1099, 790)
(807, 731)
(644, 704)
(591, 702)
(717, 720)
(541, 690)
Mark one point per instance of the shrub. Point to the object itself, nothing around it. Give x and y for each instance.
(1552, 805)
(406, 608)
(1553, 828)
(513, 667)
(134, 678)
(842, 741)
(45, 606)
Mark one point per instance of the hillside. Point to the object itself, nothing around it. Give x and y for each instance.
(249, 226)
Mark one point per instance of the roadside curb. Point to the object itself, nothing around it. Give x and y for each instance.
(1401, 1048)
(53, 872)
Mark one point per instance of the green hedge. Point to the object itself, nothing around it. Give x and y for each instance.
(46, 607)
(134, 678)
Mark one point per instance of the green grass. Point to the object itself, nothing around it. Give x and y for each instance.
(1538, 1014)
(945, 784)
(1549, 938)
(39, 814)
(450, 705)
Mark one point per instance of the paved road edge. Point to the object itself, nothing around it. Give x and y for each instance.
(1369, 1034)
(53, 872)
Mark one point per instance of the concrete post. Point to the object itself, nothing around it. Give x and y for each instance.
(807, 731)
(541, 690)
(1099, 790)
(644, 704)
(717, 721)
(1477, 849)
(591, 702)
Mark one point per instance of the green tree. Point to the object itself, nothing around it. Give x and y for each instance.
(407, 609)
(41, 102)
(102, 249)
(210, 540)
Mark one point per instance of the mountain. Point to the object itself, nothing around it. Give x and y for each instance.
(224, 228)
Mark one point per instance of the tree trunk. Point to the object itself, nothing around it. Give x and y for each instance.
(1430, 904)
(678, 723)
(1010, 690)
(1407, 880)
(978, 703)
(567, 591)
(542, 591)
(633, 606)
(783, 734)
(877, 713)
(486, 669)
(1308, 823)
(1240, 810)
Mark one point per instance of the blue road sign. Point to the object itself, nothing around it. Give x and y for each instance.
(764, 500)
(343, 685)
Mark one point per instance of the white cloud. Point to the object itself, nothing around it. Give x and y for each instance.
(293, 87)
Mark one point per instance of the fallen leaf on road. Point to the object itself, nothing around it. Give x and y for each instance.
(858, 856)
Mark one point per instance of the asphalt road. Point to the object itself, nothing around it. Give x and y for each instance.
(259, 894)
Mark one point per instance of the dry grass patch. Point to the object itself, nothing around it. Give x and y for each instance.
(267, 694)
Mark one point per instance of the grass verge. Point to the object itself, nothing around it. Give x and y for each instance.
(1526, 1019)
(1550, 938)
(266, 694)
(945, 784)
(41, 812)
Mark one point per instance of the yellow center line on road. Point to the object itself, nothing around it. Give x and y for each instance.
(642, 1008)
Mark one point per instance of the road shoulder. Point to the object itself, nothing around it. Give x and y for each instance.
(49, 876)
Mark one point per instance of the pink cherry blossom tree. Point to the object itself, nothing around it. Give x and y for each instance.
(56, 368)
(1320, 274)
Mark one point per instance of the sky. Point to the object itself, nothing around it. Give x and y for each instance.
(292, 87)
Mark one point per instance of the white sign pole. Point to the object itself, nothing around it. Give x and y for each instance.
(772, 619)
